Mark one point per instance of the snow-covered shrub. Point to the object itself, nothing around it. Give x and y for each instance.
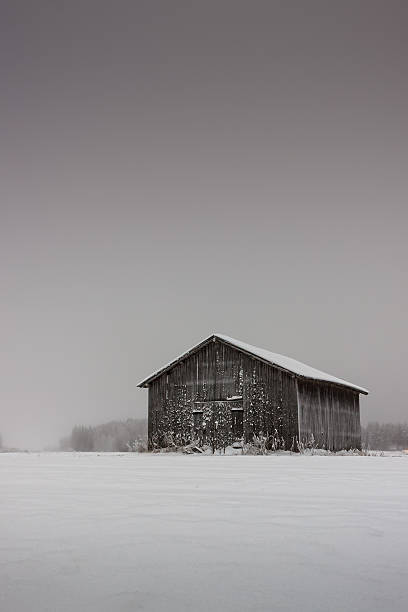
(265, 444)
(258, 446)
(307, 445)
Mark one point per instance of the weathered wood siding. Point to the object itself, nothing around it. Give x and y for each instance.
(206, 381)
(328, 415)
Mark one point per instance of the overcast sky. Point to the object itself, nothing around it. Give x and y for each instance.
(170, 169)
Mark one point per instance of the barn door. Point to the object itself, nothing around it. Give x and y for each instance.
(198, 426)
(218, 423)
(204, 424)
(221, 425)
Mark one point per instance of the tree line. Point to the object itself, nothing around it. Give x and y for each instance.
(119, 436)
(385, 436)
(131, 435)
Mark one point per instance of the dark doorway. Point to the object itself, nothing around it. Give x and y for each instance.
(237, 423)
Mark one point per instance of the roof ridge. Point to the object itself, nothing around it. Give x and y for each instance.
(287, 363)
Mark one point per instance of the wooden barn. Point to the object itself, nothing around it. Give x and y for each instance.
(223, 391)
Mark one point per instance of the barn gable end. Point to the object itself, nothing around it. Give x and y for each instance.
(215, 381)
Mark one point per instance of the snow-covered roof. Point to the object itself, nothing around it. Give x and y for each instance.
(287, 363)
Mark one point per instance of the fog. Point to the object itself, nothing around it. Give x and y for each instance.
(168, 170)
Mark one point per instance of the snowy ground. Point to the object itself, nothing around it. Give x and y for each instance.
(90, 532)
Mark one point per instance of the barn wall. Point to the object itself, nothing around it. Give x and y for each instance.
(328, 415)
(205, 380)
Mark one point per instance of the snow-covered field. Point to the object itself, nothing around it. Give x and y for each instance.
(104, 532)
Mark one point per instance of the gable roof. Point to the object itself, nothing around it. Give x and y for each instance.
(286, 363)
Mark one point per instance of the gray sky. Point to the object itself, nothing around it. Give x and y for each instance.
(169, 169)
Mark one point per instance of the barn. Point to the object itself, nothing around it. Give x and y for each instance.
(223, 391)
